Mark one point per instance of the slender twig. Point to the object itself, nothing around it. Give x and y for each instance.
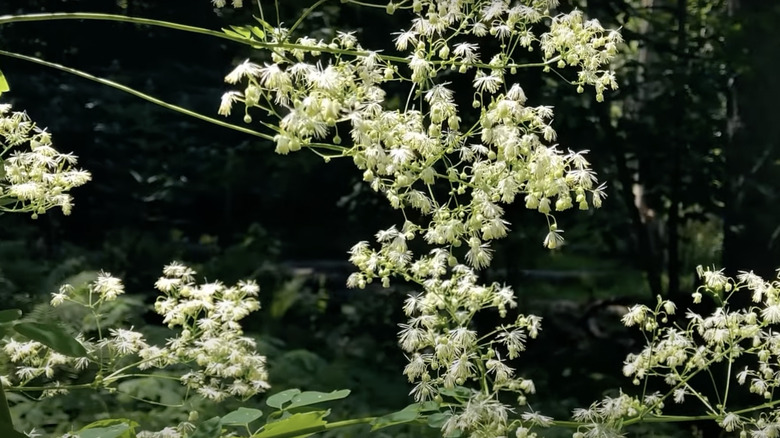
(136, 93)
(5, 19)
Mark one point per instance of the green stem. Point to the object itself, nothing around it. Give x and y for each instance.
(728, 378)
(5, 19)
(47, 388)
(647, 419)
(324, 427)
(135, 92)
(117, 374)
(306, 13)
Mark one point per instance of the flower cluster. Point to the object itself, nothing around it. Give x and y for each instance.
(676, 353)
(221, 361)
(34, 176)
(449, 173)
(211, 336)
(574, 41)
(37, 361)
(606, 418)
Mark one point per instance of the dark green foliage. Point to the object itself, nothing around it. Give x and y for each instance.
(167, 188)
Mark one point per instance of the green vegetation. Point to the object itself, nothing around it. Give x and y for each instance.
(423, 131)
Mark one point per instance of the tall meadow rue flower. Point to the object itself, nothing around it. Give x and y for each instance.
(731, 422)
(421, 68)
(486, 83)
(242, 71)
(228, 99)
(215, 310)
(408, 154)
(107, 287)
(35, 178)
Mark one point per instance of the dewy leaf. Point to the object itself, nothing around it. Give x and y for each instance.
(313, 397)
(9, 315)
(280, 398)
(298, 425)
(3, 84)
(210, 428)
(53, 337)
(241, 416)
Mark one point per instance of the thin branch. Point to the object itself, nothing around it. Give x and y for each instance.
(5, 19)
(136, 93)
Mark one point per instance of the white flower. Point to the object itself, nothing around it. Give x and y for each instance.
(537, 419)
(554, 238)
(246, 69)
(771, 314)
(489, 83)
(731, 422)
(228, 99)
(108, 287)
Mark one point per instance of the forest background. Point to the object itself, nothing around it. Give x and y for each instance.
(689, 145)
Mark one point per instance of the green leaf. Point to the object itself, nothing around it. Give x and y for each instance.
(53, 337)
(405, 415)
(313, 397)
(242, 31)
(9, 315)
(116, 431)
(257, 32)
(210, 428)
(268, 28)
(3, 84)
(6, 423)
(280, 398)
(109, 428)
(5, 200)
(298, 425)
(438, 419)
(241, 416)
(232, 33)
(111, 422)
(458, 392)
(429, 406)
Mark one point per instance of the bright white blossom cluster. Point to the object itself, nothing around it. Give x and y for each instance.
(678, 351)
(34, 176)
(449, 172)
(222, 362)
(211, 336)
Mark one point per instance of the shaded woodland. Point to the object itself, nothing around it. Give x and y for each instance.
(689, 146)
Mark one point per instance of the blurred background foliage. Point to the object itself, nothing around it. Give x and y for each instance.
(689, 145)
